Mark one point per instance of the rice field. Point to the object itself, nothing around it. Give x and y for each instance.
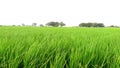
(65, 47)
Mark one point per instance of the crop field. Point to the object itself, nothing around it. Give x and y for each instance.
(59, 47)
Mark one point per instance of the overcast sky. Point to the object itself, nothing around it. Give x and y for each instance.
(71, 12)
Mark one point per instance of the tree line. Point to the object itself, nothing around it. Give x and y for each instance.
(91, 24)
(52, 24)
(61, 24)
(56, 24)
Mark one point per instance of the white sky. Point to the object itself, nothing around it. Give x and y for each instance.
(71, 12)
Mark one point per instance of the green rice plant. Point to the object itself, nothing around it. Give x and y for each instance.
(64, 47)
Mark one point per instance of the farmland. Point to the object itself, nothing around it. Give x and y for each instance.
(65, 47)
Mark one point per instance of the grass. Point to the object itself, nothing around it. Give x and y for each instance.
(44, 47)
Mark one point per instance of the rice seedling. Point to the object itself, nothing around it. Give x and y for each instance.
(66, 47)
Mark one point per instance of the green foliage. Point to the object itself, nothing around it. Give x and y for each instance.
(113, 26)
(50, 47)
(55, 24)
(41, 25)
(34, 24)
(23, 24)
(62, 24)
(91, 24)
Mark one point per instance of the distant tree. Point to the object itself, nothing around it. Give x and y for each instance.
(34, 24)
(91, 24)
(23, 24)
(82, 24)
(95, 25)
(13, 25)
(41, 25)
(113, 26)
(100, 25)
(62, 24)
(54, 24)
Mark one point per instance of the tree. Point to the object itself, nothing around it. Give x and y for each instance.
(41, 25)
(62, 24)
(13, 25)
(91, 24)
(100, 25)
(113, 26)
(23, 24)
(95, 25)
(82, 24)
(34, 24)
(54, 24)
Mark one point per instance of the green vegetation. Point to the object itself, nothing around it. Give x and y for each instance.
(89, 24)
(55, 24)
(51, 47)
